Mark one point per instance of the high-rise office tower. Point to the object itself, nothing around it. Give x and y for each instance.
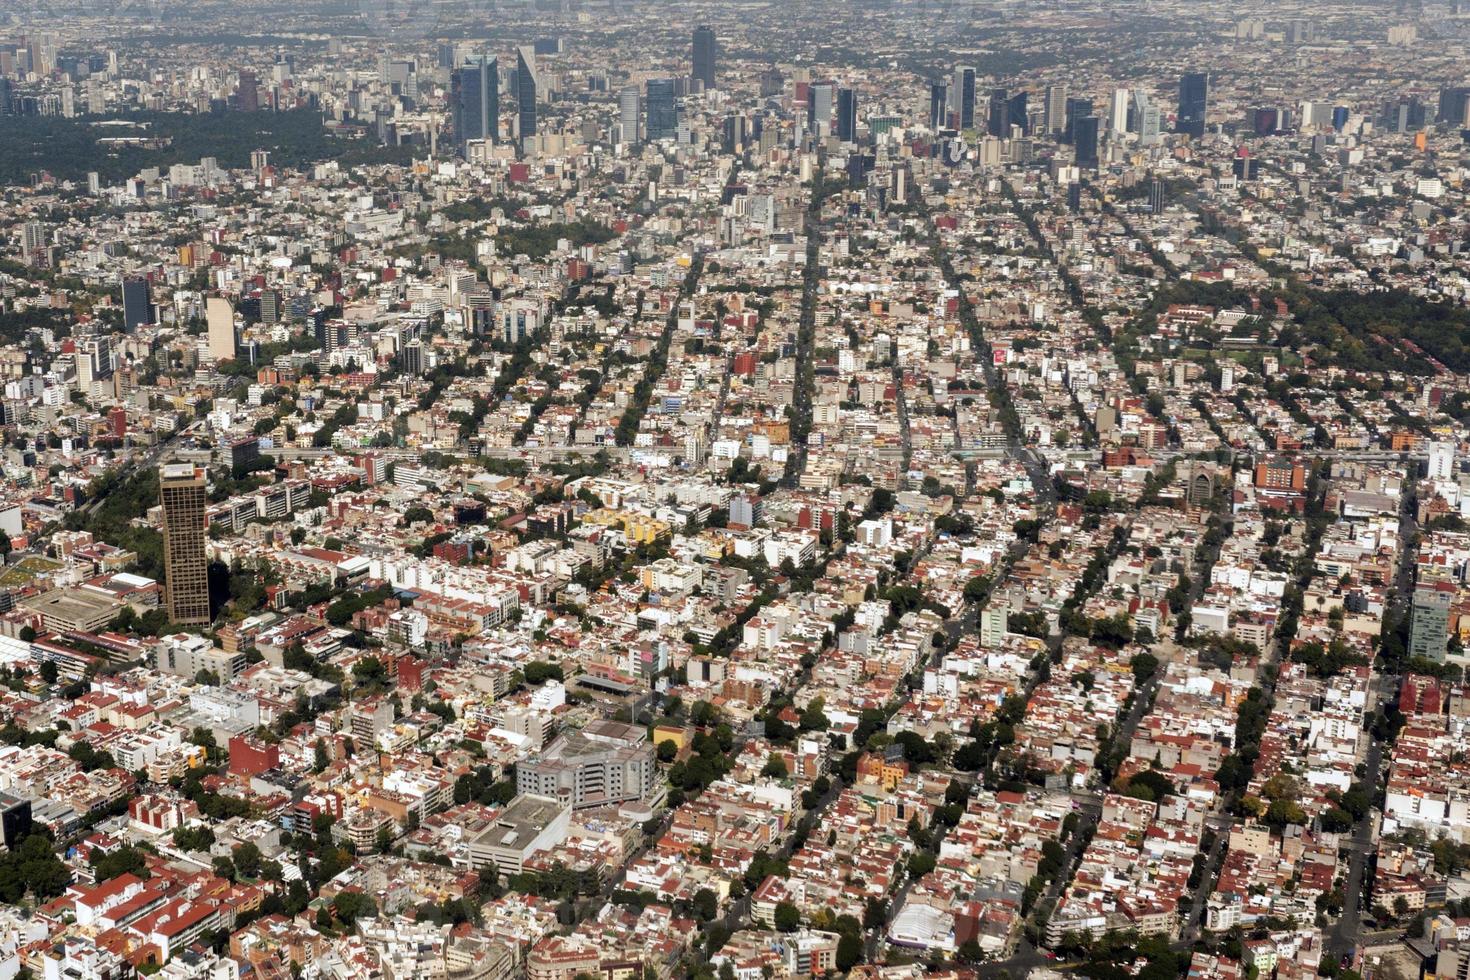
(1429, 623)
(1086, 138)
(1452, 105)
(734, 133)
(1119, 116)
(526, 86)
(938, 106)
(998, 122)
(821, 101)
(847, 115)
(630, 110)
(962, 96)
(137, 308)
(1018, 109)
(1194, 103)
(1056, 108)
(186, 571)
(249, 95)
(663, 112)
(705, 48)
(1156, 196)
(475, 100)
(1077, 109)
(219, 316)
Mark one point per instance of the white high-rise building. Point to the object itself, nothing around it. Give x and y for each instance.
(1441, 460)
(1119, 115)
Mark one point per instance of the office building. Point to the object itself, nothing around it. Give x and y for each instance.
(219, 316)
(606, 763)
(663, 110)
(188, 654)
(527, 826)
(705, 50)
(15, 820)
(938, 106)
(248, 98)
(1020, 113)
(1156, 196)
(475, 100)
(998, 122)
(1194, 103)
(1429, 623)
(181, 491)
(1118, 119)
(1056, 108)
(526, 92)
(137, 304)
(1452, 105)
(1144, 118)
(1077, 109)
(847, 115)
(962, 96)
(821, 103)
(630, 111)
(1087, 141)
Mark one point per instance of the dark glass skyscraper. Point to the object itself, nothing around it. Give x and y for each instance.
(938, 106)
(1077, 110)
(1194, 102)
(705, 47)
(663, 113)
(137, 309)
(526, 83)
(847, 115)
(998, 123)
(1086, 138)
(1020, 112)
(962, 96)
(475, 100)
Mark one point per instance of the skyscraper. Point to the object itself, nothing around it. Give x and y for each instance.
(1452, 105)
(249, 94)
(630, 109)
(705, 47)
(998, 122)
(1119, 116)
(219, 316)
(1145, 118)
(1194, 103)
(1019, 113)
(137, 309)
(1077, 109)
(1056, 108)
(1087, 139)
(663, 113)
(186, 572)
(821, 100)
(847, 115)
(1429, 623)
(962, 96)
(475, 100)
(1156, 196)
(526, 85)
(938, 106)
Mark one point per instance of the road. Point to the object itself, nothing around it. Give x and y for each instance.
(1344, 935)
